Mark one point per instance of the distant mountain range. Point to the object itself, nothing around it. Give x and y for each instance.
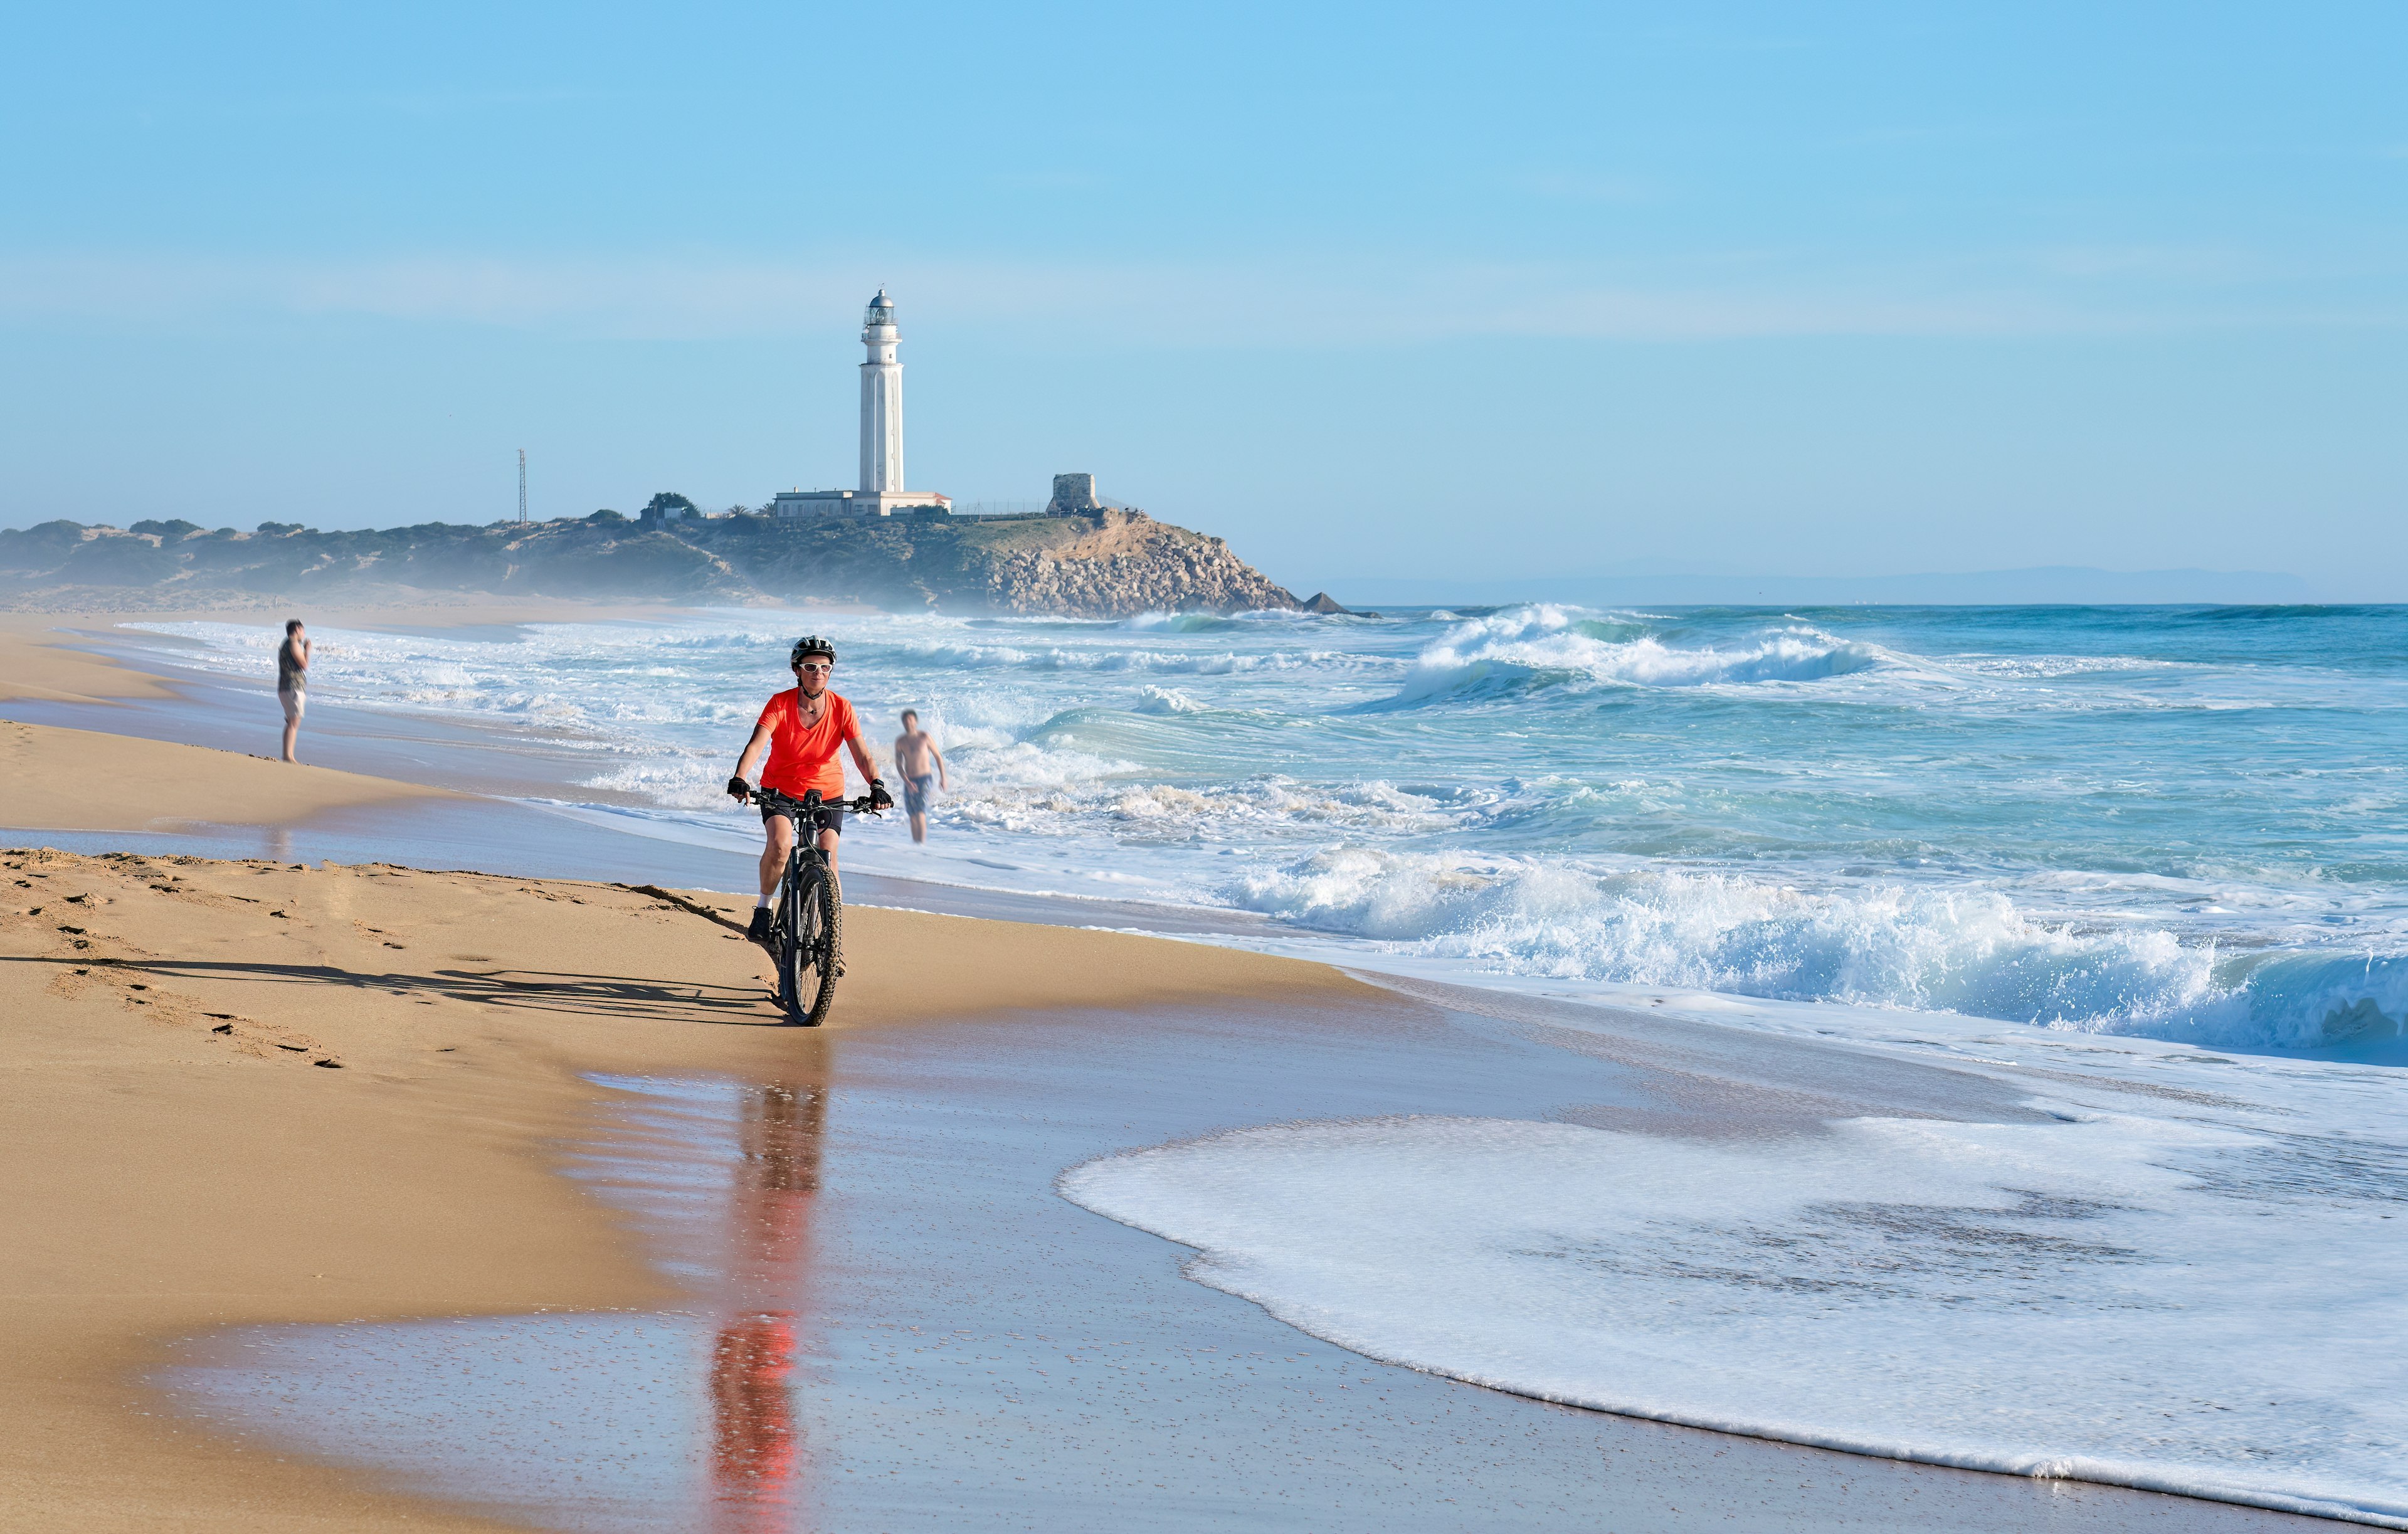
(2069, 585)
(1105, 563)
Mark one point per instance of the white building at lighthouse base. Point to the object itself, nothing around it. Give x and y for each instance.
(855, 503)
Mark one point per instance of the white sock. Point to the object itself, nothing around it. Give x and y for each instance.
(762, 904)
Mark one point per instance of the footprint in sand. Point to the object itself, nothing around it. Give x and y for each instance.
(268, 1041)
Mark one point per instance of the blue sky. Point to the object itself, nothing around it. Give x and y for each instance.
(1374, 291)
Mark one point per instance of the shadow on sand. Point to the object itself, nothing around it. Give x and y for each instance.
(534, 990)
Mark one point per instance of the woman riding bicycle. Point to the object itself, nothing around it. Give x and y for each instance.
(799, 731)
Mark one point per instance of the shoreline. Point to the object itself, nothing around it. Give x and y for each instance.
(83, 682)
(482, 771)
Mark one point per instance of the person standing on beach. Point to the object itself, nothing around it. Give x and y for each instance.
(292, 682)
(914, 748)
(798, 733)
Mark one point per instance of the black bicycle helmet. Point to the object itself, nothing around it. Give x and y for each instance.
(811, 644)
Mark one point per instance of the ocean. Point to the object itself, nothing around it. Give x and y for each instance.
(2181, 823)
(2141, 872)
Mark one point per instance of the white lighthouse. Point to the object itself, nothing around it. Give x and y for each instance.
(882, 399)
(881, 493)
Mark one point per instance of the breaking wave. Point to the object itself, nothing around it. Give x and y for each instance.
(1520, 648)
(1958, 950)
(1166, 700)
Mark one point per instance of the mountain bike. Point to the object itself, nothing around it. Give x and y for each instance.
(806, 934)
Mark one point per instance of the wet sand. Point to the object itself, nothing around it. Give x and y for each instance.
(248, 1091)
(888, 1319)
(62, 780)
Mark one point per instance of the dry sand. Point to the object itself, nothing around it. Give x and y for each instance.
(249, 1092)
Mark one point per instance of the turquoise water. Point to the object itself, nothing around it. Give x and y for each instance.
(2185, 822)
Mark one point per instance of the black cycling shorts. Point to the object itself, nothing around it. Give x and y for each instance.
(831, 817)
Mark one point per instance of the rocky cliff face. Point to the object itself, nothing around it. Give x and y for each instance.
(1107, 563)
(1127, 566)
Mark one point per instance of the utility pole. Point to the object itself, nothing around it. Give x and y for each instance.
(522, 486)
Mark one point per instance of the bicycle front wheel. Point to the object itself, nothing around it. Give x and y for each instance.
(791, 943)
(808, 967)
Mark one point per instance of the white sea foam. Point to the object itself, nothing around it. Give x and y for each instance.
(1179, 623)
(1519, 647)
(1115, 658)
(2187, 1308)
(1959, 949)
(1166, 700)
(2050, 667)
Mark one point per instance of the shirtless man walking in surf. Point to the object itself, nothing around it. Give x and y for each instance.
(914, 748)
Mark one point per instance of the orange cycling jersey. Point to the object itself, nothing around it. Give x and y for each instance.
(803, 756)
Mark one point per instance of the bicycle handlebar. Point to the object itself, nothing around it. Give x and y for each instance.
(769, 798)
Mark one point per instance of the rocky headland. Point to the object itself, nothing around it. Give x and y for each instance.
(1109, 563)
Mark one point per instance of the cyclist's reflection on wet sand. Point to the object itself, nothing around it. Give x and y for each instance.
(756, 1448)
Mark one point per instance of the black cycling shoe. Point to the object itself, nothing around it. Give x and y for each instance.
(759, 931)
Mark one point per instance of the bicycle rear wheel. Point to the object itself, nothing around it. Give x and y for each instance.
(807, 975)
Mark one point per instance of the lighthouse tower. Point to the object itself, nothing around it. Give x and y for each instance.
(882, 399)
(881, 493)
